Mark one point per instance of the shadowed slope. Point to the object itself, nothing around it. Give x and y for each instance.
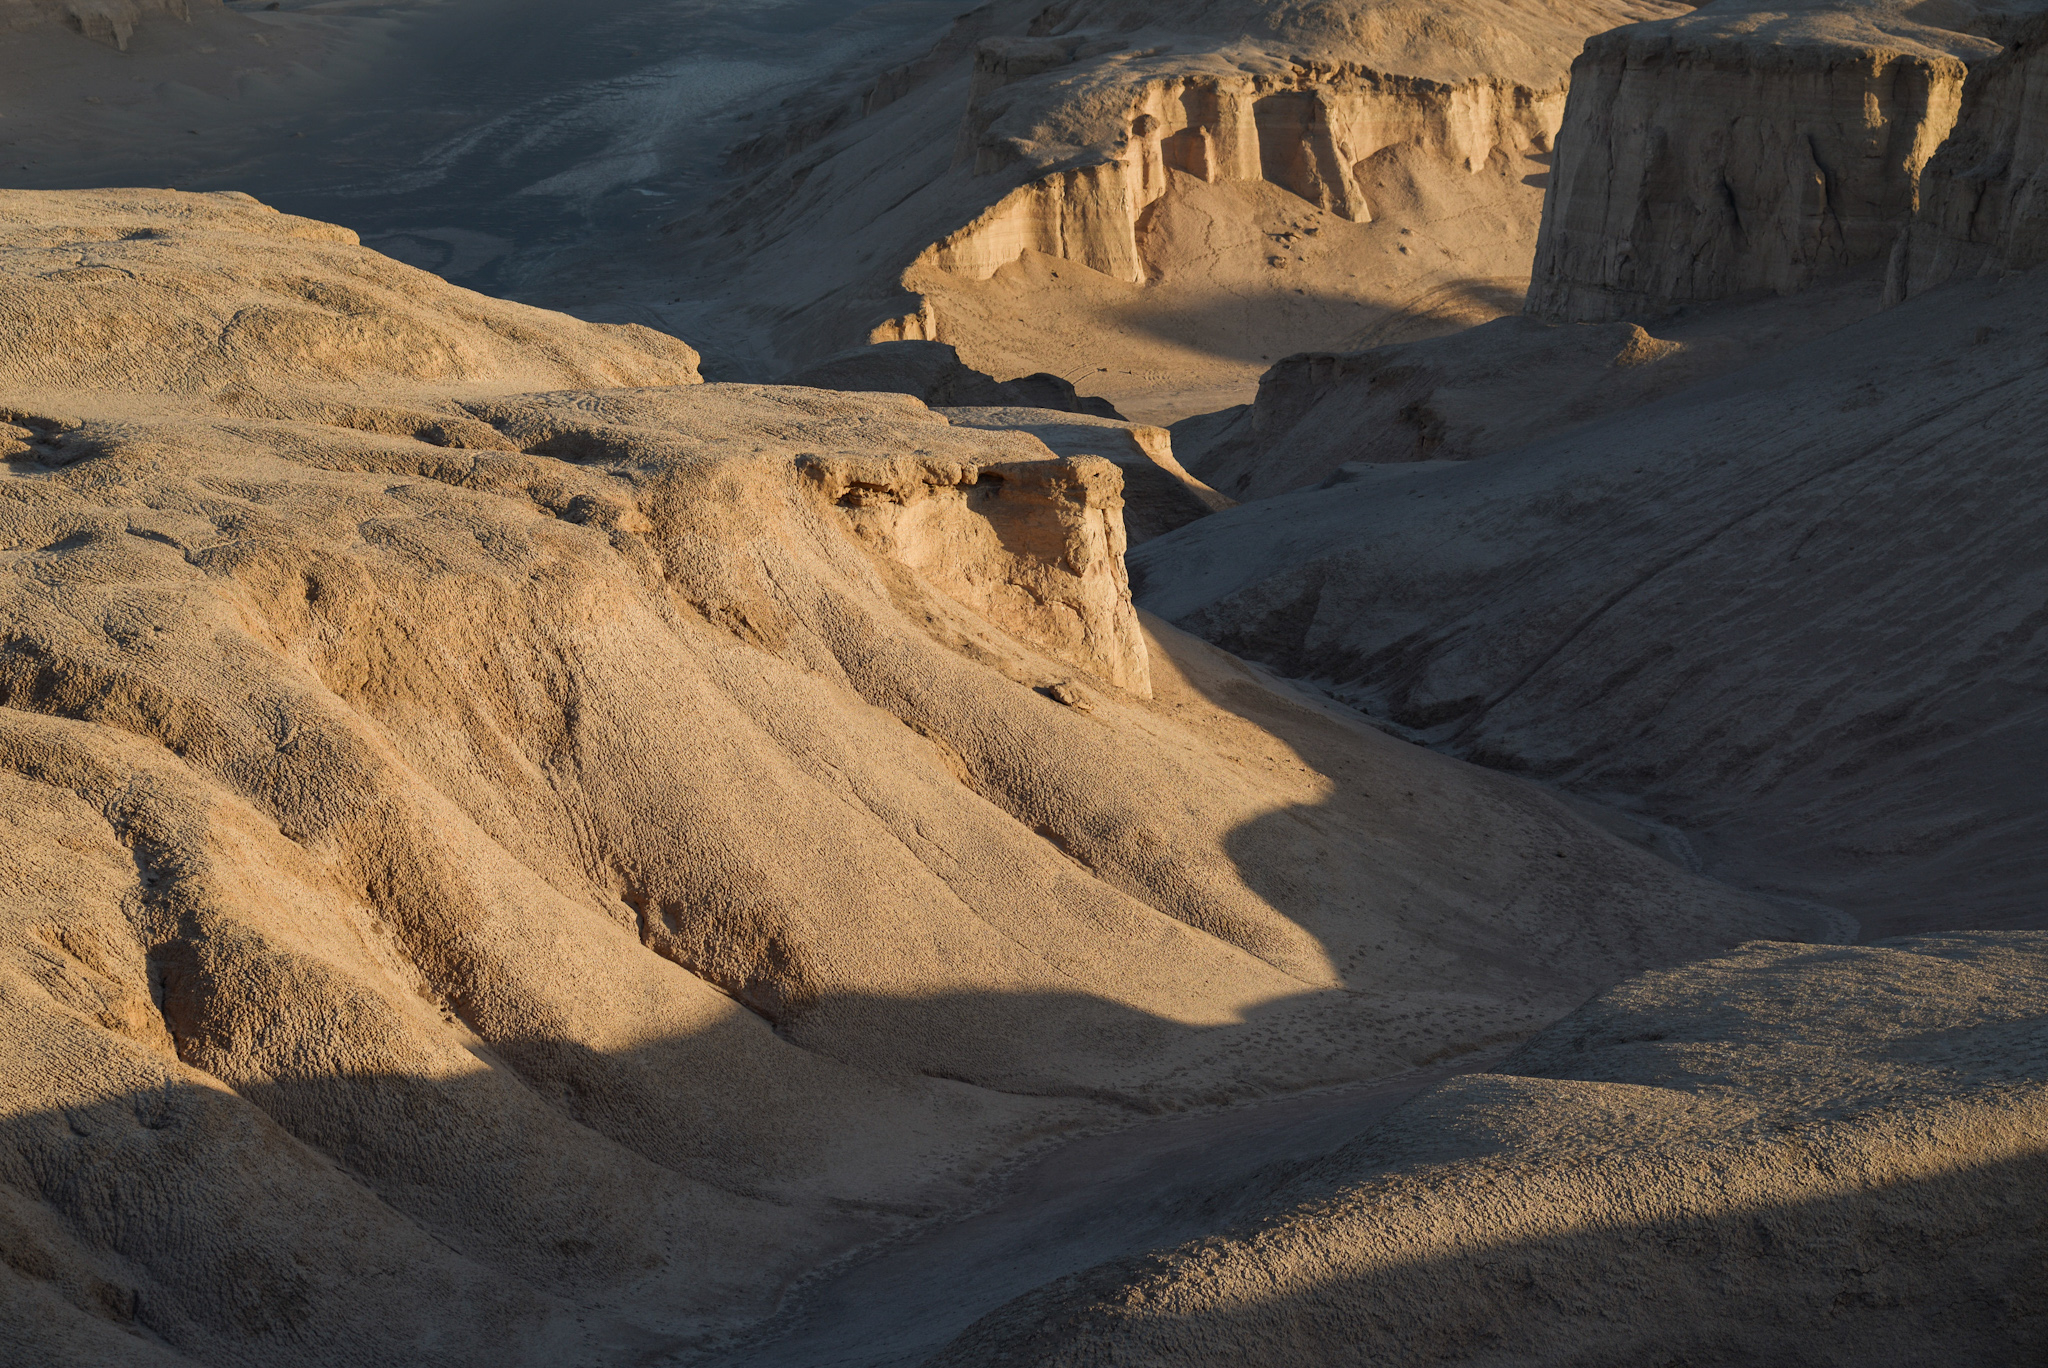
(1786, 1155)
(1795, 609)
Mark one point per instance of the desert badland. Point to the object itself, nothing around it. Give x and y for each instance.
(1242, 682)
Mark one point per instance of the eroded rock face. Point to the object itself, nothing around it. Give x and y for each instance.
(1984, 201)
(1725, 153)
(1159, 494)
(492, 877)
(1033, 546)
(1324, 131)
(1166, 196)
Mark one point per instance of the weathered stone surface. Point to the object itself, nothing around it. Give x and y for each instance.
(1036, 547)
(1732, 152)
(1311, 128)
(1165, 196)
(1159, 495)
(1984, 198)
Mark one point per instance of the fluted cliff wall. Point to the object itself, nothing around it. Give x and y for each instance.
(1704, 158)
(1312, 131)
(1166, 197)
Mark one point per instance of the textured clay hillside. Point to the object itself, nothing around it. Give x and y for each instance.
(514, 855)
(1787, 1155)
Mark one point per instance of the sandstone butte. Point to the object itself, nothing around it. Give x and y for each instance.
(519, 856)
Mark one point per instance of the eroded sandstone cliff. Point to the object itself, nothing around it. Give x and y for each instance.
(1734, 152)
(1982, 209)
(1162, 198)
(1323, 131)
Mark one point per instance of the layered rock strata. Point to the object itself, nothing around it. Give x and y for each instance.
(1729, 153)
(1312, 129)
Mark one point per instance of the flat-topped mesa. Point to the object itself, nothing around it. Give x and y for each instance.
(1726, 153)
(1982, 206)
(1313, 128)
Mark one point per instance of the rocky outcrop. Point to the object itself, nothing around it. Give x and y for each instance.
(1726, 154)
(1312, 129)
(1984, 198)
(1159, 495)
(1821, 1156)
(1036, 547)
(1165, 196)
